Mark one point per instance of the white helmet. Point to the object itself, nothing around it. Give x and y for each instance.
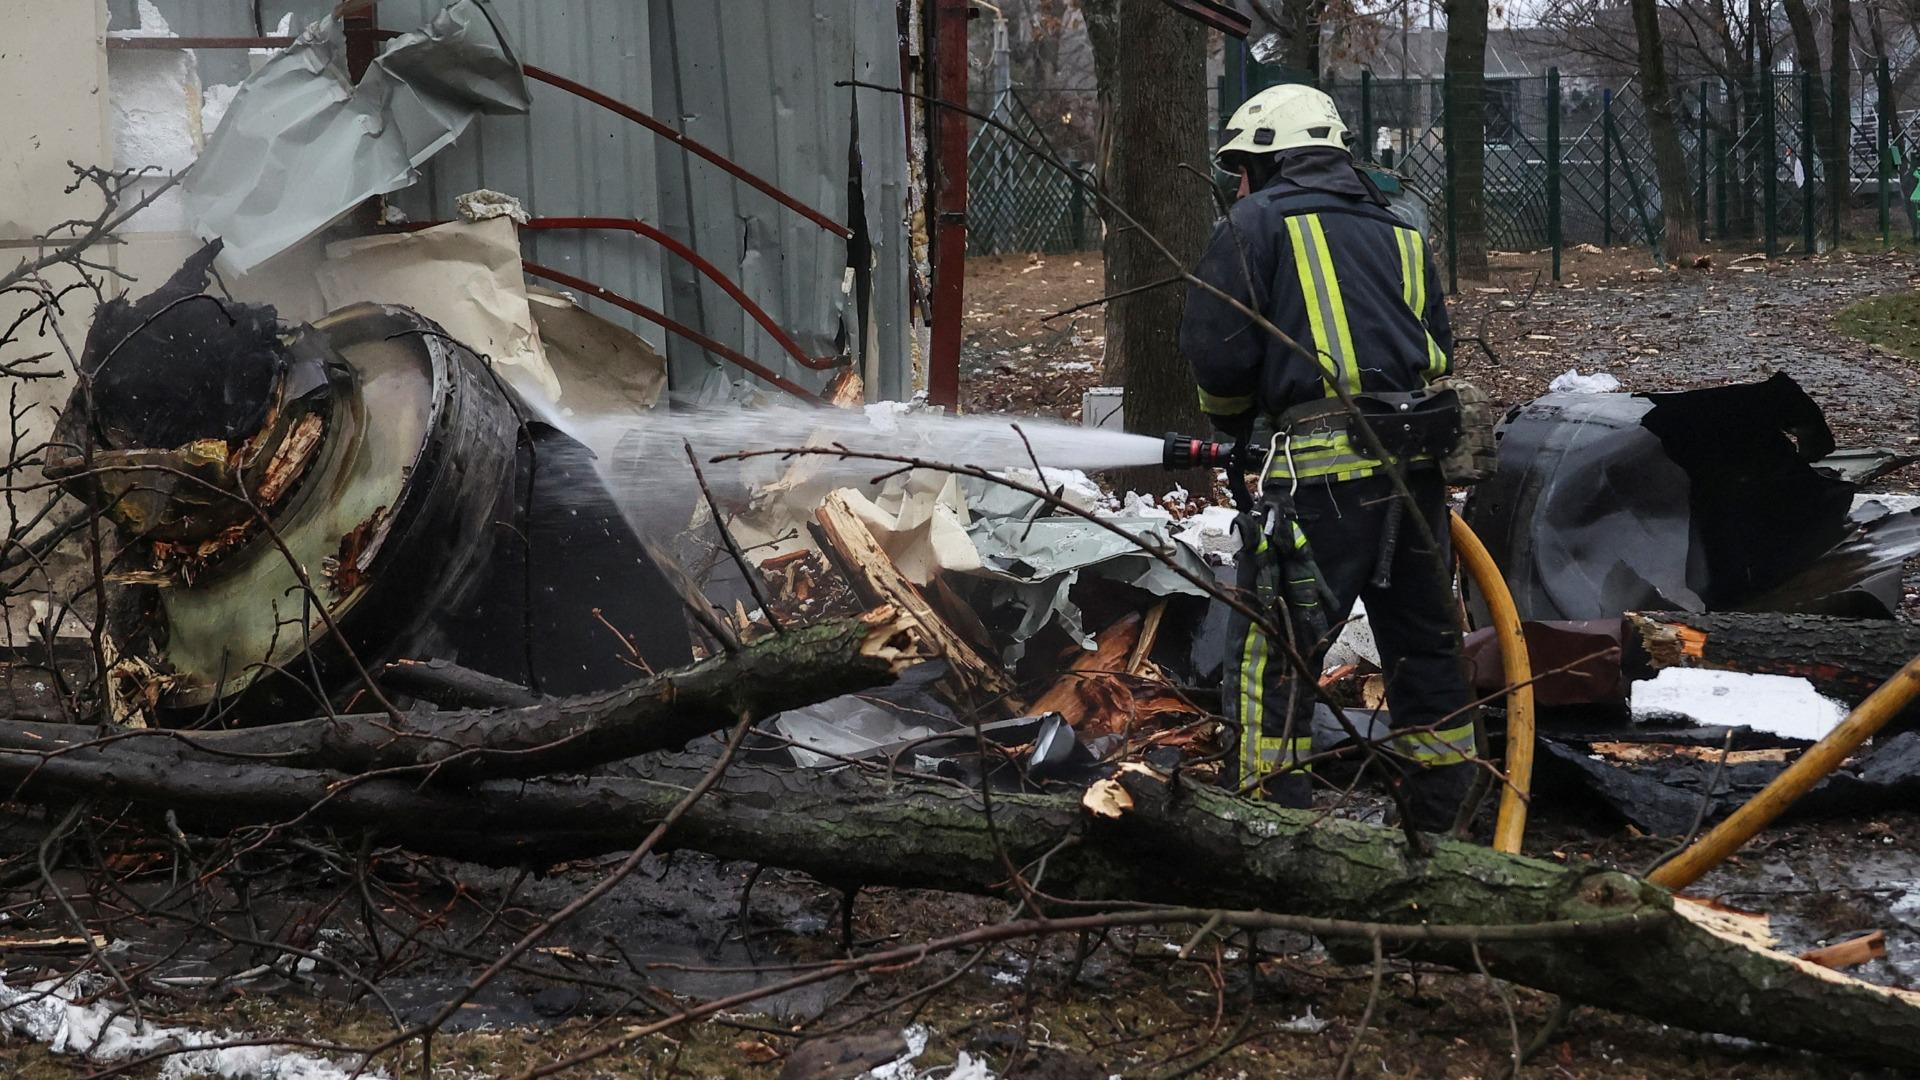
(1282, 118)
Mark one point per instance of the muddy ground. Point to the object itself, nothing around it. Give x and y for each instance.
(1130, 1006)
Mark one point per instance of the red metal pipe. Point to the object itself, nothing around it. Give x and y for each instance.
(693, 146)
(603, 293)
(713, 273)
(950, 202)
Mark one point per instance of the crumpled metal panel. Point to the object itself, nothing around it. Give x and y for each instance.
(1704, 500)
(301, 145)
(751, 78)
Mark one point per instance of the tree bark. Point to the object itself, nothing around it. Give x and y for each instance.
(1843, 658)
(789, 670)
(1466, 132)
(1663, 125)
(1150, 61)
(1171, 842)
(1821, 118)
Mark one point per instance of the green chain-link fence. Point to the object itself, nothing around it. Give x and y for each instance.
(1016, 201)
(1570, 161)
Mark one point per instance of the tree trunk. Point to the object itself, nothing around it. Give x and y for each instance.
(1840, 130)
(1820, 118)
(1466, 132)
(1663, 124)
(1843, 658)
(1166, 841)
(783, 671)
(1151, 62)
(1302, 35)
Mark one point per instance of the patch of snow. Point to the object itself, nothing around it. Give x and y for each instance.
(902, 1068)
(1210, 533)
(1305, 1024)
(47, 1015)
(1074, 365)
(1783, 705)
(1572, 382)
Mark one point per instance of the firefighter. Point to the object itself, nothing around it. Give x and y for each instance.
(1312, 246)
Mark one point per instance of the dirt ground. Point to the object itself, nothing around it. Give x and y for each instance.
(1739, 318)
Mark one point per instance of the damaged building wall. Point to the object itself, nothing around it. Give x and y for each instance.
(756, 85)
(754, 81)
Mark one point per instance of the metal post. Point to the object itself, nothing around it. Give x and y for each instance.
(1840, 120)
(1606, 168)
(1883, 85)
(949, 79)
(1366, 114)
(1769, 164)
(1807, 157)
(1553, 167)
(1720, 184)
(1453, 211)
(1700, 152)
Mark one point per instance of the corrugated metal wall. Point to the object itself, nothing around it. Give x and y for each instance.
(751, 78)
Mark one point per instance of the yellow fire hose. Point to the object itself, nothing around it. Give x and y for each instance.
(1511, 825)
(1820, 759)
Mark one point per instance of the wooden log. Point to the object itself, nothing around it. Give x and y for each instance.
(1843, 658)
(1166, 841)
(800, 667)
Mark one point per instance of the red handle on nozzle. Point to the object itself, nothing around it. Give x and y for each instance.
(1188, 452)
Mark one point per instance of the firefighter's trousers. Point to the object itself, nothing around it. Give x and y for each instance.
(1414, 622)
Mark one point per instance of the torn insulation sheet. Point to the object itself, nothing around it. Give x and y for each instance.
(463, 275)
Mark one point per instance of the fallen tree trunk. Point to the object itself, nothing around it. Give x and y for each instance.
(797, 668)
(1169, 841)
(1844, 658)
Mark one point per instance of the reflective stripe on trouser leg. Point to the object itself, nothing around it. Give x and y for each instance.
(1257, 678)
(1432, 749)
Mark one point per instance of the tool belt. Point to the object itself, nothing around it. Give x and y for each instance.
(1444, 424)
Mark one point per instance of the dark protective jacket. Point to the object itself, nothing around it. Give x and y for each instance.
(1316, 253)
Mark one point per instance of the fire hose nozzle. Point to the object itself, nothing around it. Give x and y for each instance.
(1188, 452)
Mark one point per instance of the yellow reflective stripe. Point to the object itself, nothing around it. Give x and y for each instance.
(1293, 752)
(1449, 746)
(1253, 671)
(1417, 274)
(1437, 360)
(1409, 264)
(1349, 366)
(1319, 313)
(1217, 405)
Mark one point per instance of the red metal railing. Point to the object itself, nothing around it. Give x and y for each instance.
(601, 292)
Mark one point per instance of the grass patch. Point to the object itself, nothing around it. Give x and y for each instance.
(1891, 322)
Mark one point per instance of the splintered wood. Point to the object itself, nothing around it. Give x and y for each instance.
(876, 580)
